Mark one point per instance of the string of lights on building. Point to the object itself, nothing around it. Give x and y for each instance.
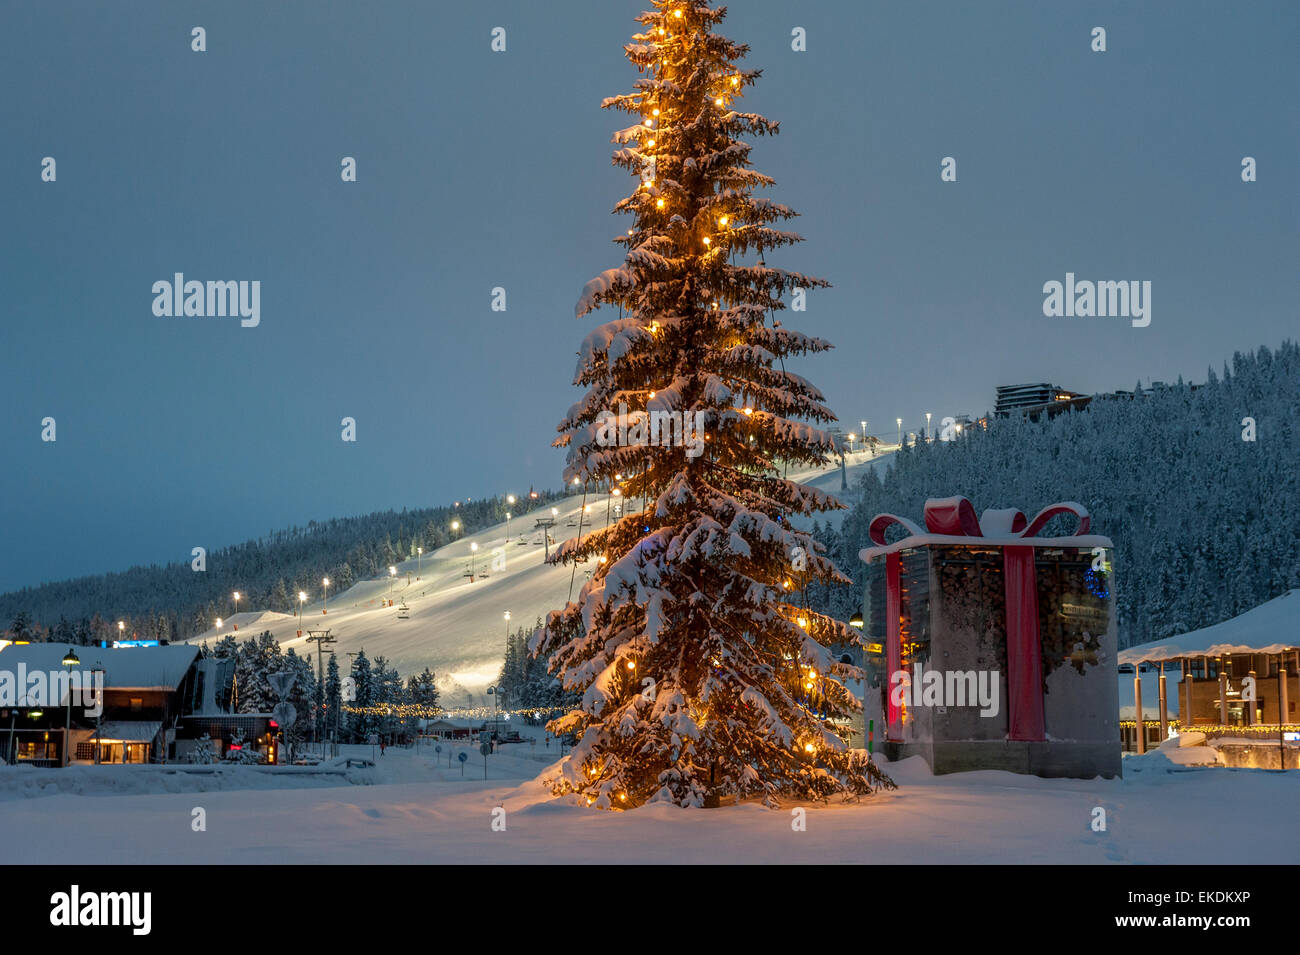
(421, 711)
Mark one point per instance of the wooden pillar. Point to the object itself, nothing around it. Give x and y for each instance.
(1252, 712)
(1164, 706)
(1137, 708)
(1223, 697)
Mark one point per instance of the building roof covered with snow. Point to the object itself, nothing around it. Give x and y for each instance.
(125, 668)
(1268, 628)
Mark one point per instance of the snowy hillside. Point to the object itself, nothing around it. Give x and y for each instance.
(454, 626)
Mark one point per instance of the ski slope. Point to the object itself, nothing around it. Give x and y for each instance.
(457, 627)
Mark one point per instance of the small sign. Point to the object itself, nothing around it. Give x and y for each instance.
(485, 748)
(284, 714)
(281, 682)
(462, 756)
(438, 748)
(373, 739)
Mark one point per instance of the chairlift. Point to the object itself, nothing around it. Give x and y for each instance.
(403, 611)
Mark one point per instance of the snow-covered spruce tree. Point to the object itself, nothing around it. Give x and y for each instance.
(703, 672)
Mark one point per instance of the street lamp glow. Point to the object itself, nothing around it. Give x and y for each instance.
(455, 525)
(510, 498)
(927, 425)
(473, 545)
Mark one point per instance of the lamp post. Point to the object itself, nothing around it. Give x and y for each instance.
(71, 660)
(507, 626)
(235, 595)
(325, 582)
(101, 678)
(121, 630)
(302, 599)
(419, 562)
(900, 432)
(852, 438)
(455, 526)
(473, 549)
(927, 425)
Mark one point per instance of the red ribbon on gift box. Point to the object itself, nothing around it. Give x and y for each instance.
(955, 517)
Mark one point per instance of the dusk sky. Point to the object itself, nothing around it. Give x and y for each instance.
(479, 169)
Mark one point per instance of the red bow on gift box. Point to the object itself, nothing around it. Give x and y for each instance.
(955, 517)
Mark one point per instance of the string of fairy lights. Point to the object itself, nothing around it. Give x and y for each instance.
(423, 711)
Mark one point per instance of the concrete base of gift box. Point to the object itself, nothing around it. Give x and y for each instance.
(1054, 759)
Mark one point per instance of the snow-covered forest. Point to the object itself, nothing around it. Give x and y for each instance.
(525, 680)
(378, 687)
(173, 602)
(1205, 521)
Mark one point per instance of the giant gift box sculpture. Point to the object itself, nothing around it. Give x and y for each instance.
(997, 645)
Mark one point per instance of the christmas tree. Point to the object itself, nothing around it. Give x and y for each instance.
(703, 672)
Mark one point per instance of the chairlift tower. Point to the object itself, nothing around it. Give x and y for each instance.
(544, 524)
(320, 638)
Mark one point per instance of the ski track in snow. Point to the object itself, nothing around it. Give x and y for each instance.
(457, 628)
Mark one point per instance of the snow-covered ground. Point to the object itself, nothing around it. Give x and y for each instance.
(413, 808)
(456, 627)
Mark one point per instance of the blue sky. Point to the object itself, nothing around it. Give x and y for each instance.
(480, 169)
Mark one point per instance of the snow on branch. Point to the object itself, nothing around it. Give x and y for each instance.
(619, 279)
